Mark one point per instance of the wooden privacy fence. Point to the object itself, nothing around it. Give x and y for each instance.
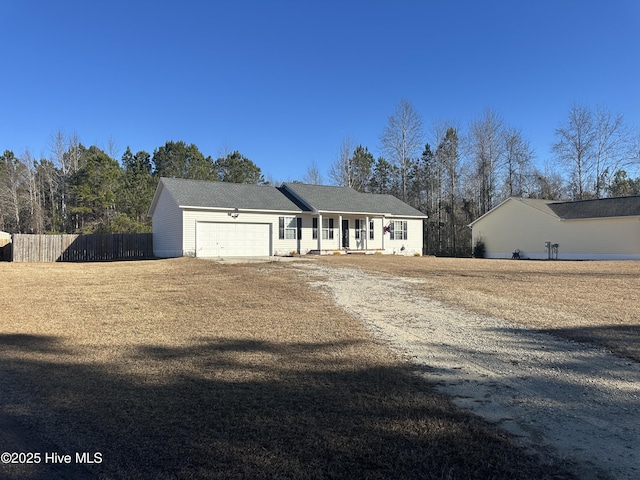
(81, 248)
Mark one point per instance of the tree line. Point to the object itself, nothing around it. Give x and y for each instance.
(454, 179)
(86, 190)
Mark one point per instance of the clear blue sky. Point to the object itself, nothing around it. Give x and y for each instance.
(284, 82)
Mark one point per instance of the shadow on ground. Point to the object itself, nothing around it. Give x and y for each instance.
(236, 408)
(623, 340)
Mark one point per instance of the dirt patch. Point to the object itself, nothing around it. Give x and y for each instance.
(556, 396)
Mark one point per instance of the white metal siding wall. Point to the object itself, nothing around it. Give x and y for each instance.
(602, 238)
(515, 225)
(504, 230)
(167, 227)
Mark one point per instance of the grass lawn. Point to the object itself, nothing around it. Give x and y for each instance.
(190, 369)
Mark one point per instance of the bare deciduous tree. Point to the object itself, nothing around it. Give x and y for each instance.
(403, 139)
(35, 204)
(313, 175)
(574, 148)
(518, 157)
(66, 157)
(340, 171)
(613, 147)
(11, 189)
(486, 147)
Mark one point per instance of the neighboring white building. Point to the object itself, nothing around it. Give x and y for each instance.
(216, 219)
(601, 229)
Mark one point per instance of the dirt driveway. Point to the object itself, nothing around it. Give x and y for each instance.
(557, 397)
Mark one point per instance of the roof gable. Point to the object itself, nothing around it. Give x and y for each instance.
(536, 204)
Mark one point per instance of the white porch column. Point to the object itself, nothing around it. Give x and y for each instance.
(340, 232)
(366, 232)
(319, 234)
(384, 222)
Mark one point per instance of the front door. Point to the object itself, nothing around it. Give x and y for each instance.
(345, 233)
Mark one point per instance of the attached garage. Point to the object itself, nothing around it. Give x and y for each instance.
(224, 239)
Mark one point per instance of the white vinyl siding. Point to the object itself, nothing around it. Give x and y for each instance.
(412, 243)
(167, 227)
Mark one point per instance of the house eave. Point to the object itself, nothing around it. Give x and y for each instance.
(231, 209)
(637, 217)
(154, 200)
(370, 214)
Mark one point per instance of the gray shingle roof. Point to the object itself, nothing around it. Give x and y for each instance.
(293, 197)
(597, 208)
(343, 199)
(199, 193)
(582, 209)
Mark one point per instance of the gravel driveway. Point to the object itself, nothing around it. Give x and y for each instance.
(555, 396)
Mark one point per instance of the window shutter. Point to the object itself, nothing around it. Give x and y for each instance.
(357, 228)
(371, 230)
(281, 229)
(331, 229)
(391, 236)
(315, 228)
(299, 221)
(406, 233)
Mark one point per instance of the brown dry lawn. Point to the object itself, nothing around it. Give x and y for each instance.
(593, 302)
(191, 369)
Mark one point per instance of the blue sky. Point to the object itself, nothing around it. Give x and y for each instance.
(284, 82)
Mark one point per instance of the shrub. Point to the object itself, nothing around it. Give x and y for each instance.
(479, 249)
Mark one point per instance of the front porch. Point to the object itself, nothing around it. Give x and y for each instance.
(347, 251)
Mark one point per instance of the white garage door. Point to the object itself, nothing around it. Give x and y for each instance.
(232, 239)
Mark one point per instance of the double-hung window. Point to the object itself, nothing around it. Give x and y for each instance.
(399, 231)
(288, 227)
(327, 228)
(360, 228)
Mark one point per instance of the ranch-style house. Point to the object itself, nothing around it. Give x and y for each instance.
(599, 229)
(217, 219)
